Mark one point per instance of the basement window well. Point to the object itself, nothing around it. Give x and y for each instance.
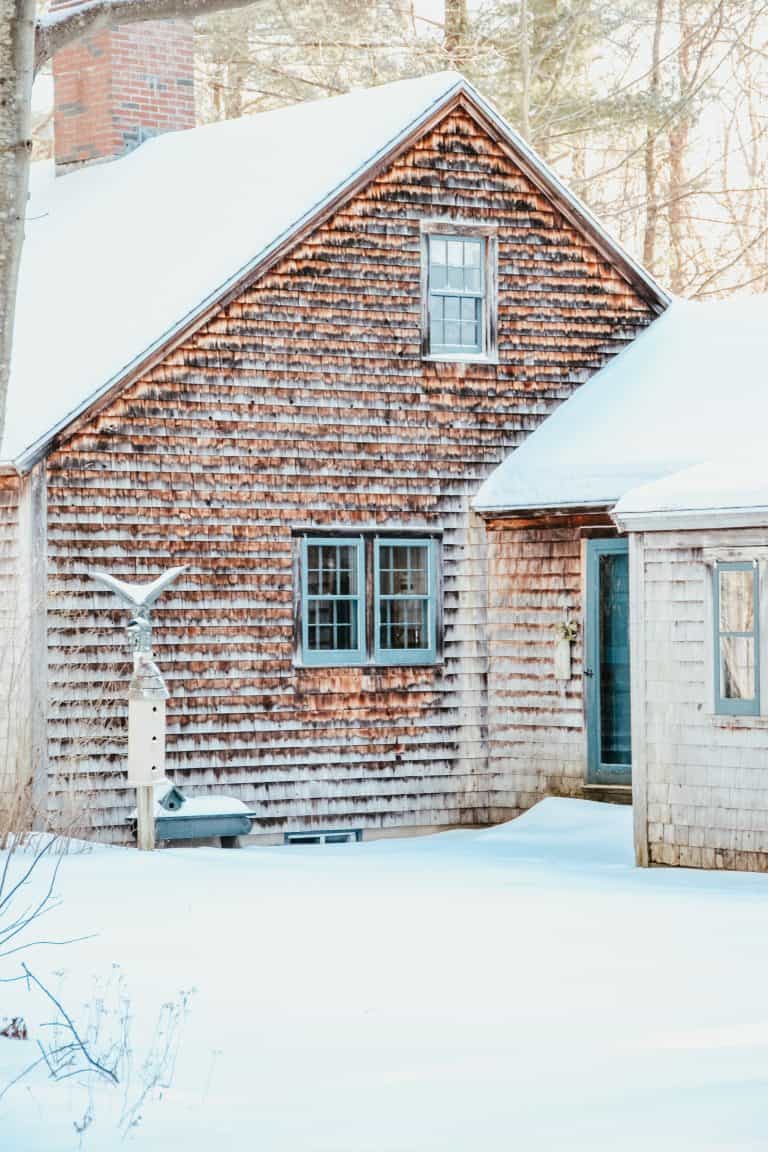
(347, 836)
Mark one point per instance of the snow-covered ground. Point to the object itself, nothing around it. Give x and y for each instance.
(523, 987)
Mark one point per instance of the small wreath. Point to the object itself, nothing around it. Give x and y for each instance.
(567, 630)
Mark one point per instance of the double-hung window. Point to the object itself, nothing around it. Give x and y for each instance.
(459, 293)
(405, 617)
(333, 600)
(368, 599)
(456, 294)
(737, 640)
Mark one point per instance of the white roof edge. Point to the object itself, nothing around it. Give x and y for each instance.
(681, 519)
(549, 506)
(29, 456)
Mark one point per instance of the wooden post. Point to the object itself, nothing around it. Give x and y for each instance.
(145, 816)
(146, 742)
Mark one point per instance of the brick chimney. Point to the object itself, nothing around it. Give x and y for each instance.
(115, 88)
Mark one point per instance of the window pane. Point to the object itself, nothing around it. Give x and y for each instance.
(452, 333)
(332, 569)
(469, 336)
(737, 600)
(455, 278)
(472, 280)
(324, 639)
(452, 305)
(403, 570)
(737, 666)
(437, 250)
(436, 334)
(472, 252)
(404, 625)
(332, 625)
(437, 276)
(456, 253)
(469, 309)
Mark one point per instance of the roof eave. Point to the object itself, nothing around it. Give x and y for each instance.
(564, 508)
(690, 519)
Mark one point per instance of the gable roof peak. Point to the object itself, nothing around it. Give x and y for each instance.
(122, 259)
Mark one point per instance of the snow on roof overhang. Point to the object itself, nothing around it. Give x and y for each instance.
(457, 91)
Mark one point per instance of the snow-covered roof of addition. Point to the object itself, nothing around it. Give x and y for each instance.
(684, 397)
(121, 258)
(729, 490)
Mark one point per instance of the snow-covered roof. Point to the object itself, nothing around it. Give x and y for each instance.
(119, 257)
(730, 489)
(692, 388)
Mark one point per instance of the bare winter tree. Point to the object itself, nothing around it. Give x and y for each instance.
(27, 42)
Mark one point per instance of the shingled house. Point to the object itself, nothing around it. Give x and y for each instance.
(638, 513)
(286, 350)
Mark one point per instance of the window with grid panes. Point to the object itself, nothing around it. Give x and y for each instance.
(456, 286)
(405, 601)
(737, 656)
(333, 600)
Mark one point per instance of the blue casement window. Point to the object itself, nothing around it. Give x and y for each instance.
(737, 641)
(368, 599)
(405, 617)
(333, 600)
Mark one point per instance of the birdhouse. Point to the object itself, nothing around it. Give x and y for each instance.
(146, 724)
(168, 796)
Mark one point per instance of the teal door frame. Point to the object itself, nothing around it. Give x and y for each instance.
(598, 772)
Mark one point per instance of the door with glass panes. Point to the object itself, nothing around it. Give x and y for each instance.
(606, 663)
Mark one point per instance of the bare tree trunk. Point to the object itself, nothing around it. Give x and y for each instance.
(456, 30)
(651, 157)
(17, 49)
(678, 149)
(525, 71)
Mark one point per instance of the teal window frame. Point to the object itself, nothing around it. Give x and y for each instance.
(406, 656)
(723, 705)
(332, 657)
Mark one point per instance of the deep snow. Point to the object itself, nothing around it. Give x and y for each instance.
(523, 987)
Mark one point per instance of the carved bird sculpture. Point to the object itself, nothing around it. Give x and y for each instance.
(139, 597)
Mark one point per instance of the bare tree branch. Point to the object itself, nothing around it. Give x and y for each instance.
(55, 30)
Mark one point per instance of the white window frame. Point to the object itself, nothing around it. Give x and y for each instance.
(458, 229)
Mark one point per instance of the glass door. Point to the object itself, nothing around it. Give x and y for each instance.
(606, 668)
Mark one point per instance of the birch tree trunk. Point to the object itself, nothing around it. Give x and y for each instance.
(17, 55)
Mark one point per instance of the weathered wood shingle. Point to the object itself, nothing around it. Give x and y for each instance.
(305, 401)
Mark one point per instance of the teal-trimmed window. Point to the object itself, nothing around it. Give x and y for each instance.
(737, 640)
(332, 600)
(405, 601)
(456, 277)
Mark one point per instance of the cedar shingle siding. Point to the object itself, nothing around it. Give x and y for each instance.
(305, 401)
